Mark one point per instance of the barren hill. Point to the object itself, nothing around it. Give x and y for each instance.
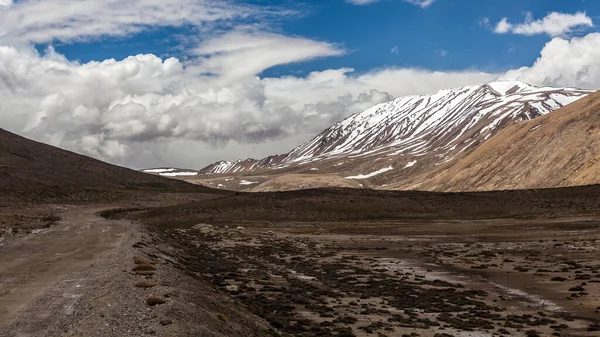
(33, 171)
(561, 148)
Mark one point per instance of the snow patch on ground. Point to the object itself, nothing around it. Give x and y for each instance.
(160, 170)
(246, 182)
(535, 127)
(179, 174)
(372, 174)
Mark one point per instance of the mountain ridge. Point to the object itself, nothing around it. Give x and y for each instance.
(442, 124)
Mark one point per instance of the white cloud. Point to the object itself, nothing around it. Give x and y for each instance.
(420, 3)
(5, 3)
(554, 24)
(565, 62)
(503, 26)
(259, 51)
(484, 22)
(42, 21)
(362, 2)
(395, 50)
(442, 52)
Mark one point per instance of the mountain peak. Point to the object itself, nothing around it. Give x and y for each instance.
(502, 88)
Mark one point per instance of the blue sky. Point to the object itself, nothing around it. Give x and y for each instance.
(185, 83)
(446, 35)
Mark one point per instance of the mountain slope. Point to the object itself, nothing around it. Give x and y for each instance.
(559, 149)
(407, 137)
(443, 123)
(32, 170)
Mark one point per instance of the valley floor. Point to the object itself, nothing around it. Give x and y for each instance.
(313, 263)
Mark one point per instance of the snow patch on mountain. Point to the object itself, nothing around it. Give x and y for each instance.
(410, 164)
(372, 174)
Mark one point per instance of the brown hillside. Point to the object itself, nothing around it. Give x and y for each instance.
(559, 149)
(34, 171)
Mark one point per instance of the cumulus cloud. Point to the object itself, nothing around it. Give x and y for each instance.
(564, 62)
(554, 24)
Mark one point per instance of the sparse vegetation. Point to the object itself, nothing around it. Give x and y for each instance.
(155, 300)
(144, 267)
(51, 218)
(140, 260)
(145, 284)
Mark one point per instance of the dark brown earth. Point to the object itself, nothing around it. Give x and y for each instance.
(344, 262)
(36, 172)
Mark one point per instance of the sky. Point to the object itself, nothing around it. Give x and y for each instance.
(184, 83)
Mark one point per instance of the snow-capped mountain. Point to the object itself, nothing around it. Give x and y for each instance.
(444, 122)
(418, 130)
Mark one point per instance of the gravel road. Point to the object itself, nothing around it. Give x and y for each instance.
(43, 275)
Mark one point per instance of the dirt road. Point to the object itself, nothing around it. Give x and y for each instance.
(43, 274)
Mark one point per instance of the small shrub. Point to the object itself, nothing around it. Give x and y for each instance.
(139, 244)
(145, 284)
(143, 267)
(155, 300)
(141, 260)
(223, 317)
